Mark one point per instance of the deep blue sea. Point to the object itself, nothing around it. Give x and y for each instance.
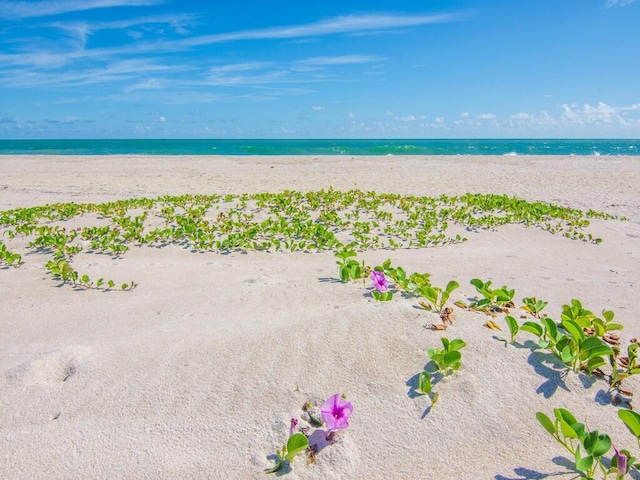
(324, 147)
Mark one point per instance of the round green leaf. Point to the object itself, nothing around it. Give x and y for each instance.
(296, 444)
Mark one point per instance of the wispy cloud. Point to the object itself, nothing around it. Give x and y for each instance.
(12, 9)
(124, 70)
(332, 26)
(340, 60)
(307, 70)
(177, 23)
(619, 3)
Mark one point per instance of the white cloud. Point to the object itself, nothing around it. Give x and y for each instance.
(240, 67)
(23, 9)
(150, 84)
(352, 115)
(618, 3)
(317, 107)
(332, 26)
(486, 116)
(309, 70)
(340, 60)
(575, 118)
(587, 114)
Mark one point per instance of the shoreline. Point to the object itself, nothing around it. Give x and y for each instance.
(197, 372)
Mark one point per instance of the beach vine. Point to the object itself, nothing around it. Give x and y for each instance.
(347, 223)
(322, 220)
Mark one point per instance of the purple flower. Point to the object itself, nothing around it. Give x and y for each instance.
(336, 412)
(292, 427)
(620, 460)
(379, 281)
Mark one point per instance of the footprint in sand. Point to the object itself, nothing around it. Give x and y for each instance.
(56, 366)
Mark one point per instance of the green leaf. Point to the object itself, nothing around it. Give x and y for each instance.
(386, 296)
(566, 356)
(451, 358)
(600, 351)
(512, 323)
(297, 443)
(583, 464)
(573, 329)
(632, 420)
(566, 415)
(590, 343)
(552, 328)
(594, 363)
(598, 444)
(546, 423)
(424, 382)
(532, 327)
(456, 344)
(567, 430)
(613, 326)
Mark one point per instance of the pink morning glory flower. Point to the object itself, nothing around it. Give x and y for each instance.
(621, 462)
(336, 412)
(292, 427)
(379, 281)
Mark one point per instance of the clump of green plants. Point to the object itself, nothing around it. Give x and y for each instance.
(575, 340)
(436, 297)
(493, 300)
(622, 367)
(293, 221)
(9, 258)
(387, 279)
(61, 270)
(588, 448)
(443, 362)
(533, 306)
(348, 267)
(448, 359)
(333, 415)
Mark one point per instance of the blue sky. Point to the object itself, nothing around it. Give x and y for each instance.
(319, 69)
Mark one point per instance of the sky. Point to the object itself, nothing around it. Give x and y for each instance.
(319, 69)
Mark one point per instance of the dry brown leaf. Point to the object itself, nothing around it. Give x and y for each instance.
(492, 325)
(611, 338)
(623, 361)
(447, 315)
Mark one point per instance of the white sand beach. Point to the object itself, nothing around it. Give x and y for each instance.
(196, 373)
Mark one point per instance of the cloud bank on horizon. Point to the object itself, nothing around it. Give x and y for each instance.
(159, 68)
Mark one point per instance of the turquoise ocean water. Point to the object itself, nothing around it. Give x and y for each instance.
(324, 147)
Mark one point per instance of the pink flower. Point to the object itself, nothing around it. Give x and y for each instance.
(336, 412)
(379, 281)
(620, 460)
(292, 427)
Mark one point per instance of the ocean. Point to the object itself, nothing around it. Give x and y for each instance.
(323, 147)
